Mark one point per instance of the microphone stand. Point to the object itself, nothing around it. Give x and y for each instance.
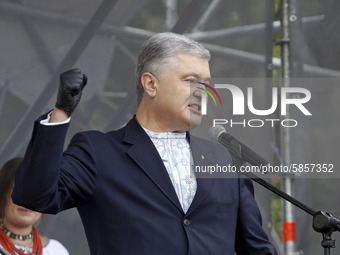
(323, 222)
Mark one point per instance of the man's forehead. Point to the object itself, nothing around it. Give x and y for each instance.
(191, 59)
(186, 55)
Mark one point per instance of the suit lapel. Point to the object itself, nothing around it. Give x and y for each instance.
(201, 157)
(145, 154)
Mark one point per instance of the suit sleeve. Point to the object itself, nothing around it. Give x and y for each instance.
(251, 238)
(49, 180)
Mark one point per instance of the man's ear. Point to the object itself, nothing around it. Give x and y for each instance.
(149, 83)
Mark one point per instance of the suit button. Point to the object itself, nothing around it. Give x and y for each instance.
(186, 222)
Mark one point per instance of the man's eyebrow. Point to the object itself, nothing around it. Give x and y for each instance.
(205, 79)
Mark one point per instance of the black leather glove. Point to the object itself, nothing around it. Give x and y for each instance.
(71, 85)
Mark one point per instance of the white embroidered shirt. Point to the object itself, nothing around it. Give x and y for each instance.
(174, 149)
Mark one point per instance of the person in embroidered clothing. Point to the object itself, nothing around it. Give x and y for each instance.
(17, 234)
(134, 187)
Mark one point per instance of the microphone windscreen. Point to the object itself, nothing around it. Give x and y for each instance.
(216, 131)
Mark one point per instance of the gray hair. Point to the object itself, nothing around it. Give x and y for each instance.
(158, 53)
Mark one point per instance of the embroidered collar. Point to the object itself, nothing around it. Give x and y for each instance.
(165, 135)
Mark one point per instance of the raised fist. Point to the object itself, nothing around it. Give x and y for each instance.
(71, 85)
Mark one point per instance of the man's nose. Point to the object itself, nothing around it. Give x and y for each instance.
(198, 92)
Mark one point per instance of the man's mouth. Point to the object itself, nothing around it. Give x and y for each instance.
(195, 108)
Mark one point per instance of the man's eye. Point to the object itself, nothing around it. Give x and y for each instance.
(203, 83)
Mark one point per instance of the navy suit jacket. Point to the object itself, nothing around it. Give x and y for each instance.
(125, 197)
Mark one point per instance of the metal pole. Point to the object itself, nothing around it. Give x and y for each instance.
(191, 14)
(37, 41)
(63, 20)
(289, 224)
(171, 14)
(206, 16)
(246, 30)
(141, 34)
(3, 95)
(20, 132)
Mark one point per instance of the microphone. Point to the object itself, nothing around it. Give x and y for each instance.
(324, 222)
(238, 150)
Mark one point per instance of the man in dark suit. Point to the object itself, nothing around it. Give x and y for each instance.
(135, 188)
